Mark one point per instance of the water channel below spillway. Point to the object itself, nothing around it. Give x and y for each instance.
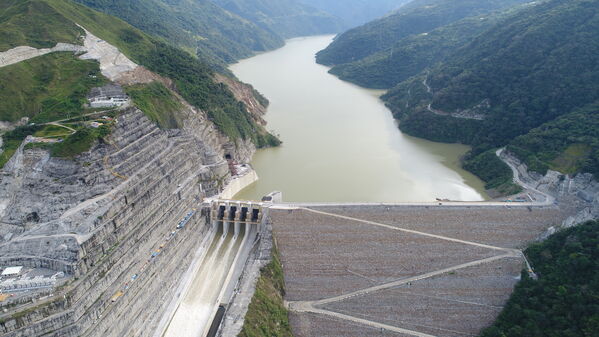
(340, 142)
(194, 314)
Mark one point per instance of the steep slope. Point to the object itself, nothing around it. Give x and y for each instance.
(411, 55)
(537, 65)
(193, 78)
(288, 18)
(98, 204)
(416, 17)
(198, 26)
(568, 144)
(356, 12)
(563, 301)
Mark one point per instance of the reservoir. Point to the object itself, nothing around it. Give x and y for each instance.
(340, 142)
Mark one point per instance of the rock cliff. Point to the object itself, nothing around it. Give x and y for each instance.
(108, 220)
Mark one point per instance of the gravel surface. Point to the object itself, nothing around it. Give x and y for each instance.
(513, 227)
(312, 325)
(325, 256)
(455, 304)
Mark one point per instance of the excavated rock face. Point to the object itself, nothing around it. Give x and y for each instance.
(579, 192)
(110, 219)
(99, 217)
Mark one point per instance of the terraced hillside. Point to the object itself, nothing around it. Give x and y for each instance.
(92, 199)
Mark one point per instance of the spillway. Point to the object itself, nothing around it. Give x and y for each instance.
(198, 306)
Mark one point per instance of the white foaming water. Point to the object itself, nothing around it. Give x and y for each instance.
(193, 316)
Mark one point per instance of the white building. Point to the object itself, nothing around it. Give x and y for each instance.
(12, 271)
(107, 96)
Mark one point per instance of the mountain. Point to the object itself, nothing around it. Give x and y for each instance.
(100, 206)
(568, 144)
(531, 68)
(411, 55)
(287, 18)
(416, 17)
(49, 87)
(356, 12)
(197, 26)
(563, 300)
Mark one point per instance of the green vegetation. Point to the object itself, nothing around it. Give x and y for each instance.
(518, 67)
(416, 17)
(195, 83)
(79, 142)
(267, 315)
(46, 88)
(157, 102)
(492, 170)
(35, 24)
(568, 144)
(53, 131)
(193, 78)
(197, 26)
(356, 12)
(288, 18)
(12, 140)
(413, 54)
(564, 301)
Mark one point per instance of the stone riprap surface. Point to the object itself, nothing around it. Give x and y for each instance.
(458, 303)
(309, 325)
(508, 227)
(403, 270)
(326, 256)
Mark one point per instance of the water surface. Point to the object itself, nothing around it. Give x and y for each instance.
(340, 143)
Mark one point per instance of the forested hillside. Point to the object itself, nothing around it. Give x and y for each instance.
(287, 18)
(531, 68)
(416, 17)
(54, 86)
(411, 55)
(356, 12)
(564, 301)
(568, 144)
(198, 26)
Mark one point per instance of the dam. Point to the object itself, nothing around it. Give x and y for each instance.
(235, 226)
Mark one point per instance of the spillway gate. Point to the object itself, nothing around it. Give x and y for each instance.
(234, 214)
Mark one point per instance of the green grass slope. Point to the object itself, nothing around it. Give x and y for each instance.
(288, 18)
(197, 26)
(193, 77)
(568, 144)
(564, 301)
(35, 24)
(266, 314)
(157, 102)
(417, 17)
(47, 88)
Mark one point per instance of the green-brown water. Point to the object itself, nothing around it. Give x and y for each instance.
(340, 143)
